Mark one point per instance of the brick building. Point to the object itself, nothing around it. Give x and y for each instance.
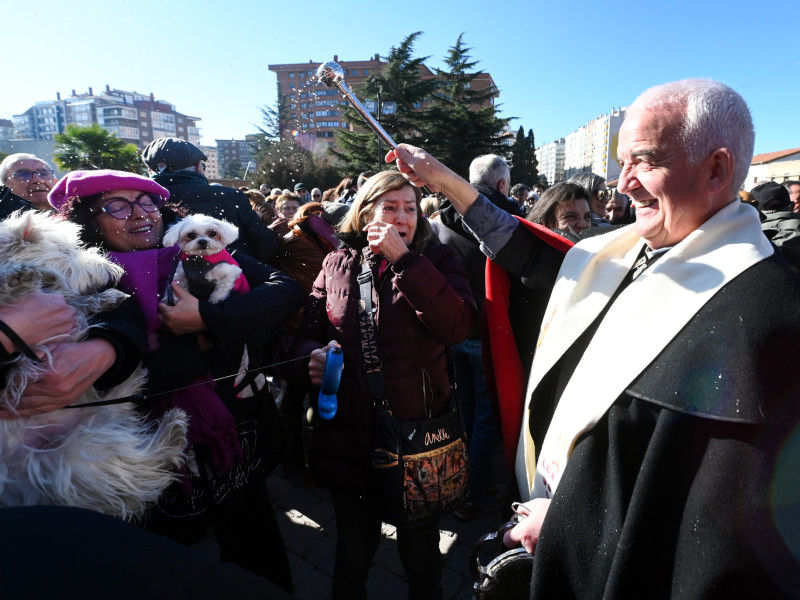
(316, 112)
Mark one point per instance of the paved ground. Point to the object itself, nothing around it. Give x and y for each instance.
(305, 515)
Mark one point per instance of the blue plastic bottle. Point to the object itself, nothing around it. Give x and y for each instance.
(327, 402)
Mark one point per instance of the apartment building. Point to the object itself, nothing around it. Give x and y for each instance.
(132, 117)
(591, 148)
(316, 112)
(550, 158)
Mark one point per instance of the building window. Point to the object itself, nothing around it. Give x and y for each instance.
(355, 71)
(291, 85)
(291, 75)
(291, 96)
(366, 71)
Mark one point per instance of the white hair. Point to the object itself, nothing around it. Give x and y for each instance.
(714, 116)
(5, 166)
(489, 170)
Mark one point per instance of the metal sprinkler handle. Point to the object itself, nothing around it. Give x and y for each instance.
(332, 75)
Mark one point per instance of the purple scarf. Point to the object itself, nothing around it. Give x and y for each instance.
(147, 273)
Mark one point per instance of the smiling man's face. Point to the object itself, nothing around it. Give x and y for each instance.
(31, 179)
(667, 192)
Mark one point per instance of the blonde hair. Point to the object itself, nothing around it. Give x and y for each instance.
(363, 209)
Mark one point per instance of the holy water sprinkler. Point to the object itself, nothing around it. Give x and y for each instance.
(331, 74)
(327, 402)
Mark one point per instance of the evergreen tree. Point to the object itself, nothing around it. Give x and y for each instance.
(92, 147)
(285, 163)
(524, 166)
(271, 131)
(458, 130)
(399, 81)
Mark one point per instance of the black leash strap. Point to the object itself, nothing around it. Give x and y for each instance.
(144, 399)
(18, 342)
(369, 333)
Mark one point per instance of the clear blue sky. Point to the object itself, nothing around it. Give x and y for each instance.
(557, 64)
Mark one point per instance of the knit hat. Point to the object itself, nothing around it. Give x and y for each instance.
(300, 186)
(174, 152)
(80, 184)
(772, 197)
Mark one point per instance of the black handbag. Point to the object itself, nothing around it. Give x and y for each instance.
(419, 467)
(507, 576)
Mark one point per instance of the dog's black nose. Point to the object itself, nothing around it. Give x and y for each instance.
(202, 243)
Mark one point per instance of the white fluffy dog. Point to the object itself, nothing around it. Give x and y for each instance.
(106, 458)
(206, 268)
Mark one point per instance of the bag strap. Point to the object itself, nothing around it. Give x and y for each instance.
(369, 335)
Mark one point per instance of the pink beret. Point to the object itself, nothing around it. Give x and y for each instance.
(80, 184)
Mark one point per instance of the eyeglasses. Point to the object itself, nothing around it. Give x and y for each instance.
(25, 175)
(122, 208)
(316, 195)
(604, 194)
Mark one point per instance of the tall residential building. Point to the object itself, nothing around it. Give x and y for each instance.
(237, 151)
(133, 117)
(316, 112)
(551, 161)
(212, 161)
(593, 147)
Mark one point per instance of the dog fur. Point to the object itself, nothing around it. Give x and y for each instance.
(200, 236)
(106, 458)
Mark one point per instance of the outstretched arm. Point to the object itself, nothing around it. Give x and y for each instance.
(422, 169)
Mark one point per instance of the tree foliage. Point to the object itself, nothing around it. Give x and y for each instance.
(271, 132)
(524, 166)
(92, 147)
(399, 82)
(285, 163)
(462, 122)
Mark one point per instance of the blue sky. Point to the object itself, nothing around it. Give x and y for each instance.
(557, 64)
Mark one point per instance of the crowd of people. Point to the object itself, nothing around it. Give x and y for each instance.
(630, 345)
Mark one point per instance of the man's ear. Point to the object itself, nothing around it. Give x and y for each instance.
(721, 165)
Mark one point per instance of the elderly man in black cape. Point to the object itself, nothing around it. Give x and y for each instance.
(675, 475)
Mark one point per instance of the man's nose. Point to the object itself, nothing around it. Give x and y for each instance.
(627, 182)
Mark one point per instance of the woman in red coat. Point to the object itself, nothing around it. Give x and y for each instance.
(423, 303)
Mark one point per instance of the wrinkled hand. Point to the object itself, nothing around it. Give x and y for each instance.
(184, 317)
(384, 239)
(75, 368)
(317, 362)
(37, 317)
(526, 533)
(420, 168)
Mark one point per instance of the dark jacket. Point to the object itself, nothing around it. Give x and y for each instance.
(192, 191)
(423, 305)
(782, 228)
(10, 202)
(466, 246)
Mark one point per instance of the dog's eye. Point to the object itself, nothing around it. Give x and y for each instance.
(212, 233)
(191, 235)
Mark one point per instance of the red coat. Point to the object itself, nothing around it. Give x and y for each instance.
(423, 305)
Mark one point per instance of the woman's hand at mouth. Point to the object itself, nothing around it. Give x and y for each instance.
(385, 239)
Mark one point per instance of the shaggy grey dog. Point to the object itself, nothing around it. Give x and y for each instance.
(106, 458)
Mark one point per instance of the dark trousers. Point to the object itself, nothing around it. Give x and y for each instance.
(358, 532)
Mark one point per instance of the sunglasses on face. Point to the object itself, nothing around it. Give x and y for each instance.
(25, 175)
(122, 208)
(604, 194)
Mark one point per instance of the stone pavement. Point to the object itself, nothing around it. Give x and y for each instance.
(305, 516)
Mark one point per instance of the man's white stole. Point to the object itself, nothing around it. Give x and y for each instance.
(639, 324)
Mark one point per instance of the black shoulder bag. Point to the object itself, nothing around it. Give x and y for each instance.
(419, 467)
